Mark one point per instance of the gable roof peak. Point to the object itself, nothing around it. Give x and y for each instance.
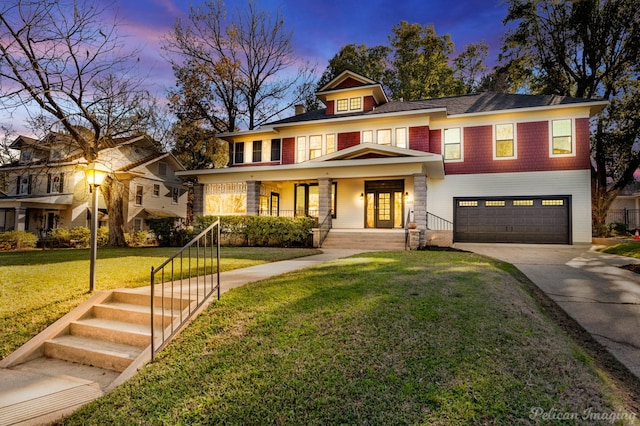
(345, 75)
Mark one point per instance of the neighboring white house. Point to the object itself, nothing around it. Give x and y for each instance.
(495, 167)
(47, 186)
(626, 207)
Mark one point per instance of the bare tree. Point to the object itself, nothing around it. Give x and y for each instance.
(232, 70)
(65, 64)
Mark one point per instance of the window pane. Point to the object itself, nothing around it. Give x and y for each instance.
(275, 149)
(355, 103)
(367, 136)
(314, 201)
(504, 131)
(384, 137)
(504, 148)
(452, 152)
(452, 135)
(315, 146)
(561, 128)
(397, 209)
(302, 144)
(301, 200)
(331, 143)
(238, 151)
(257, 151)
(562, 145)
(342, 105)
(401, 137)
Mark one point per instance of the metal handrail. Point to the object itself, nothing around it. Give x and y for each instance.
(324, 228)
(169, 287)
(437, 223)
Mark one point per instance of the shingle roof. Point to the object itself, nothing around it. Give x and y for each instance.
(464, 104)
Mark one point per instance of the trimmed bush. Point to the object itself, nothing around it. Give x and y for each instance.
(262, 231)
(169, 231)
(14, 240)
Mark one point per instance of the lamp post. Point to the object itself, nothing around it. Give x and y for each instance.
(95, 173)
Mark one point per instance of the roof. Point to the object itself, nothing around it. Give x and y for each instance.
(486, 102)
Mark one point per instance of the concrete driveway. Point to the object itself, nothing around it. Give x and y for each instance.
(588, 285)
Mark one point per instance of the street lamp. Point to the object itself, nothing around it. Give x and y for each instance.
(95, 173)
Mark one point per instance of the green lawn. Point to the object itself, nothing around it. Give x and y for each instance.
(626, 249)
(435, 338)
(37, 287)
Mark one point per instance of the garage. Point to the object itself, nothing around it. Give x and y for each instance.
(533, 220)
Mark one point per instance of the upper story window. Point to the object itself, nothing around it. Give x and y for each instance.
(175, 195)
(342, 105)
(301, 146)
(367, 136)
(276, 149)
(401, 137)
(257, 151)
(156, 190)
(331, 142)
(505, 141)
(383, 137)
(315, 146)
(24, 185)
(238, 153)
(162, 169)
(349, 104)
(562, 141)
(25, 156)
(138, 198)
(355, 104)
(452, 142)
(390, 137)
(54, 183)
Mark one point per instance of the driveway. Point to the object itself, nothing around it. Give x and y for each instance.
(586, 284)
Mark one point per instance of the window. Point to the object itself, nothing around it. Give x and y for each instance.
(331, 143)
(367, 136)
(307, 199)
(401, 137)
(275, 149)
(522, 202)
(138, 199)
(553, 202)
(137, 224)
(496, 203)
(504, 141)
(24, 185)
(315, 146)
(25, 156)
(467, 203)
(238, 153)
(342, 105)
(156, 190)
(452, 144)
(55, 183)
(561, 137)
(383, 137)
(162, 169)
(257, 151)
(355, 104)
(175, 195)
(302, 148)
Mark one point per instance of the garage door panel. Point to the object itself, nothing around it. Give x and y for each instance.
(513, 219)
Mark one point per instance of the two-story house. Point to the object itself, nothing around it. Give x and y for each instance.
(493, 167)
(47, 186)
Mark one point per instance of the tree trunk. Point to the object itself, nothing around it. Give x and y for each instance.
(113, 192)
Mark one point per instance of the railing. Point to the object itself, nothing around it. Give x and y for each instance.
(629, 217)
(436, 223)
(175, 279)
(325, 227)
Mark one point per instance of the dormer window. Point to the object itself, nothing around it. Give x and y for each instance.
(342, 105)
(355, 104)
(349, 104)
(25, 156)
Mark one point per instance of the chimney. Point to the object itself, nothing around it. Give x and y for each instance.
(299, 109)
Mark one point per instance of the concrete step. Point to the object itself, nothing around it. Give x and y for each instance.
(136, 314)
(112, 331)
(372, 240)
(144, 299)
(87, 351)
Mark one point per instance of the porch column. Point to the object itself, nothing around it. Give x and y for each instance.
(324, 201)
(420, 205)
(21, 219)
(198, 199)
(253, 197)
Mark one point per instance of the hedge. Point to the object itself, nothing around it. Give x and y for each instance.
(14, 240)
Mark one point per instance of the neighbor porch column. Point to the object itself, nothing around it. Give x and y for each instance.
(253, 197)
(21, 219)
(324, 195)
(420, 205)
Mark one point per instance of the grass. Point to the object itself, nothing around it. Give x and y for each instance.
(38, 287)
(434, 338)
(626, 249)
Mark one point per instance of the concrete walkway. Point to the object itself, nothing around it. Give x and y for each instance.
(40, 392)
(588, 285)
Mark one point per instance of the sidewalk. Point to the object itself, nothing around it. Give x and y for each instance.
(37, 393)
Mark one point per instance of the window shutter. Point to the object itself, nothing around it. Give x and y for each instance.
(61, 187)
(49, 183)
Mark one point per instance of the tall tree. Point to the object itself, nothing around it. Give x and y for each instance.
(233, 71)
(65, 64)
(469, 66)
(421, 62)
(587, 48)
(372, 62)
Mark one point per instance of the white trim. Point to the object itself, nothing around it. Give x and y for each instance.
(515, 141)
(573, 138)
(454, 160)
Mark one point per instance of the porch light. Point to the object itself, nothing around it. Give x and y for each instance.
(95, 174)
(361, 196)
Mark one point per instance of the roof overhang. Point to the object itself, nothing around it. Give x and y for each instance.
(53, 201)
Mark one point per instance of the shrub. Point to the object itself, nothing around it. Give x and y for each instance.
(81, 235)
(262, 230)
(137, 238)
(169, 231)
(14, 240)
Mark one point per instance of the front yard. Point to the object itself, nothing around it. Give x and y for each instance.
(39, 286)
(379, 338)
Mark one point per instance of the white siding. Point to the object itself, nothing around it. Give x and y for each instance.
(440, 192)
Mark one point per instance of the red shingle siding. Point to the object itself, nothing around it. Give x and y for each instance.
(330, 108)
(419, 138)
(435, 141)
(349, 82)
(369, 103)
(346, 140)
(288, 150)
(532, 155)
